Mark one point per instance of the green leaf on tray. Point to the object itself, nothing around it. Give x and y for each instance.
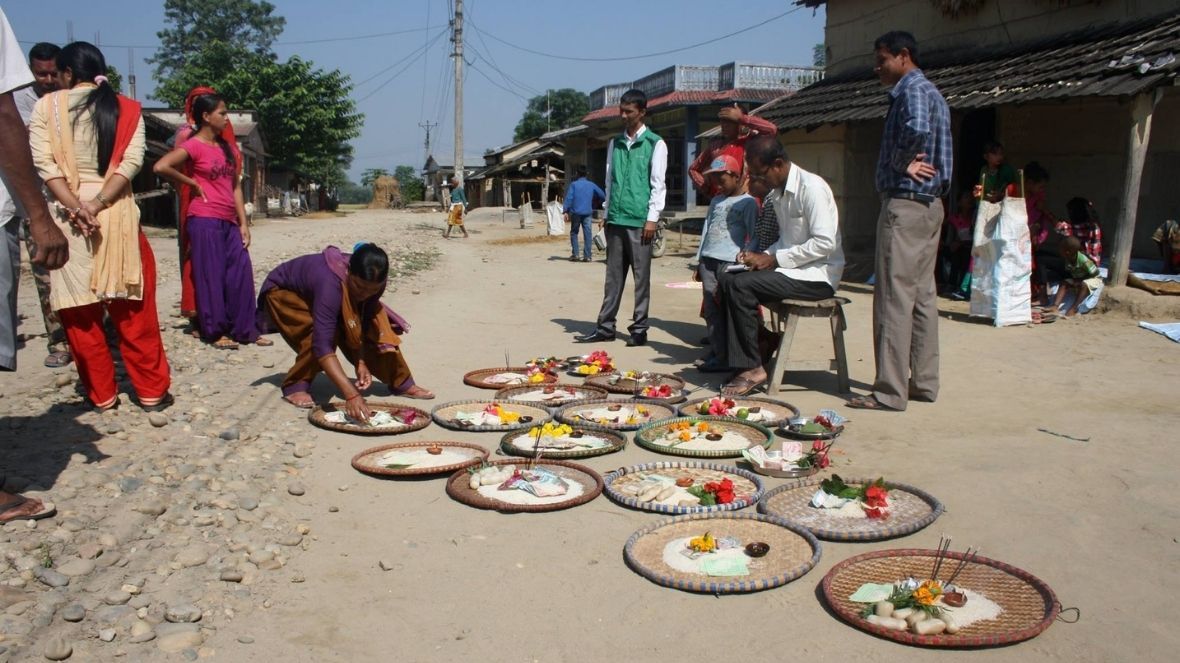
(397, 466)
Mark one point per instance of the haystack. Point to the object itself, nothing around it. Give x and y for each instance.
(386, 190)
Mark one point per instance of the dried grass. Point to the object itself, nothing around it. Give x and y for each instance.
(535, 239)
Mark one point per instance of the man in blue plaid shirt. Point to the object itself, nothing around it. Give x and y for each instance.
(913, 175)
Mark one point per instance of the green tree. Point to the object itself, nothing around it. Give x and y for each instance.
(352, 193)
(307, 114)
(192, 24)
(411, 185)
(549, 112)
(819, 55)
(370, 175)
(114, 79)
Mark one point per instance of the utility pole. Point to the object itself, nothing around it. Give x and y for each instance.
(457, 38)
(131, 72)
(428, 126)
(69, 32)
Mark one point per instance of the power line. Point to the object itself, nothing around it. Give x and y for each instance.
(420, 51)
(425, 69)
(391, 78)
(508, 80)
(645, 55)
(298, 42)
(489, 79)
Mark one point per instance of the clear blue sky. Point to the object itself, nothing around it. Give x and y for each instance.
(394, 108)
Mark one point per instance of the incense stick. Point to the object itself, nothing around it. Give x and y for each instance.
(968, 557)
(944, 544)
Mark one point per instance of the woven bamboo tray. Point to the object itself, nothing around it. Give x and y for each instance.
(782, 409)
(569, 414)
(477, 378)
(581, 393)
(757, 435)
(616, 442)
(444, 415)
(590, 480)
(1029, 605)
(793, 552)
(747, 487)
(317, 413)
(910, 510)
(633, 387)
(366, 461)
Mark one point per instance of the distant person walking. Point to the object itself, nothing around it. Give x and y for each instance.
(635, 165)
(579, 206)
(458, 208)
(913, 175)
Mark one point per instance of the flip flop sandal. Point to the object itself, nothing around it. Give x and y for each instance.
(166, 402)
(48, 510)
(59, 359)
(302, 405)
(225, 344)
(417, 393)
(740, 387)
(867, 403)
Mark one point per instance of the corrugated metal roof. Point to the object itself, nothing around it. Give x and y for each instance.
(1112, 60)
(692, 98)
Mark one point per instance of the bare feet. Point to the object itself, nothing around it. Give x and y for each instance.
(301, 400)
(744, 382)
(19, 507)
(264, 342)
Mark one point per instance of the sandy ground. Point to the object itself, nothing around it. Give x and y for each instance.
(1097, 520)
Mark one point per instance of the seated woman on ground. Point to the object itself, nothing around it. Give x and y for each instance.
(326, 300)
(1081, 275)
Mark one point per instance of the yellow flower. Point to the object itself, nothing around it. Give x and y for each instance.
(928, 592)
(702, 427)
(537, 377)
(703, 544)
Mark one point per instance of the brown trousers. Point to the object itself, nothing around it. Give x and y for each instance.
(905, 302)
(292, 316)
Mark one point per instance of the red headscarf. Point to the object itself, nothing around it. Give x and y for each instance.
(188, 297)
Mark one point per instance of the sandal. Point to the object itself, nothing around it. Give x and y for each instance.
(46, 511)
(264, 342)
(58, 359)
(225, 343)
(740, 387)
(868, 403)
(301, 400)
(418, 393)
(165, 402)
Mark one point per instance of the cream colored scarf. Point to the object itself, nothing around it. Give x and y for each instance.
(118, 269)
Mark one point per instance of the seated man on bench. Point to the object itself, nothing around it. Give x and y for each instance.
(805, 263)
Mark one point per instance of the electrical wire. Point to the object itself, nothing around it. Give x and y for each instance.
(508, 80)
(425, 66)
(298, 42)
(399, 72)
(645, 55)
(420, 51)
(510, 91)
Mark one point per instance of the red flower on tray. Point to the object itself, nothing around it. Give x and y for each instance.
(662, 391)
(875, 497)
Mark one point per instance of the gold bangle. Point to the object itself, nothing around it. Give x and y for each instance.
(102, 199)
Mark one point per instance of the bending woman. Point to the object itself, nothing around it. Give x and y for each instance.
(88, 144)
(326, 300)
(218, 231)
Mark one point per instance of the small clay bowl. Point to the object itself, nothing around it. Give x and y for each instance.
(684, 482)
(757, 549)
(434, 450)
(955, 599)
(576, 434)
(713, 437)
(524, 419)
(756, 408)
(549, 390)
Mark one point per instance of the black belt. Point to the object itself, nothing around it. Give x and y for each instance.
(923, 198)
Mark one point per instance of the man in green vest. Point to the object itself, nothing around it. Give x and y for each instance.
(635, 165)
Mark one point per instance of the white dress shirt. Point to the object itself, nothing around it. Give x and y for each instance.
(659, 164)
(808, 247)
(14, 73)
